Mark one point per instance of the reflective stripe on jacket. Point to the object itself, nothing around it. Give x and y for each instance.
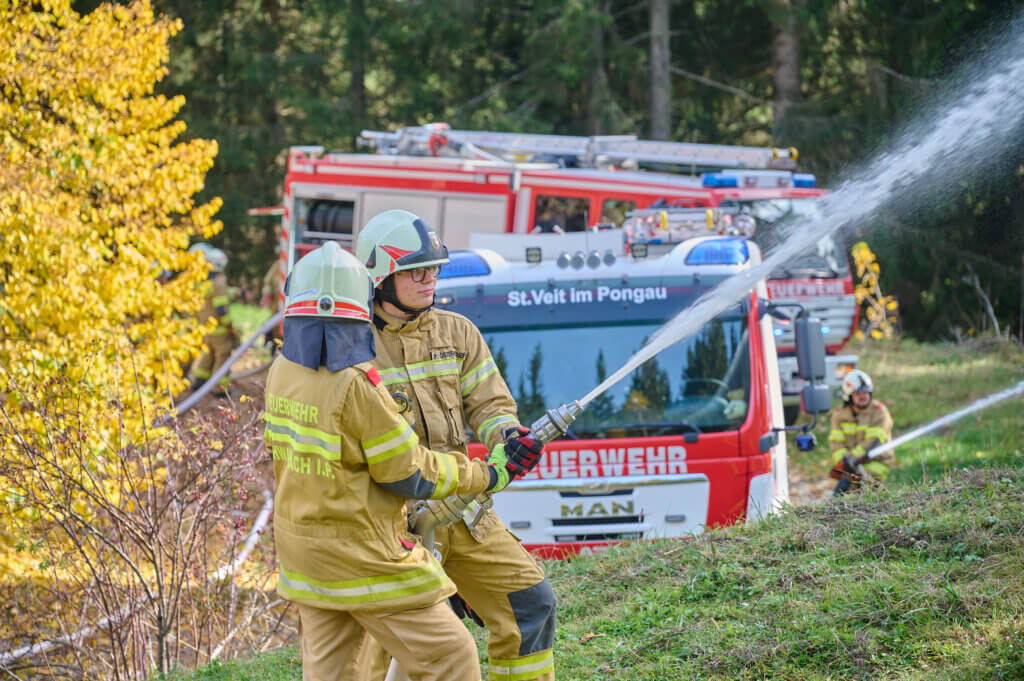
(345, 462)
(441, 367)
(855, 434)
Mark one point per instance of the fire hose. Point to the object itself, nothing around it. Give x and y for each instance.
(427, 516)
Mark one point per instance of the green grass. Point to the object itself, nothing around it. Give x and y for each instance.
(921, 580)
(247, 319)
(276, 665)
(911, 583)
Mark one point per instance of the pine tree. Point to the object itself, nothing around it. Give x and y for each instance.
(601, 410)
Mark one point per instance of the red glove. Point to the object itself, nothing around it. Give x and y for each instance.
(523, 452)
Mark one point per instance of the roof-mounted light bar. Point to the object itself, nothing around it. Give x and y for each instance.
(758, 179)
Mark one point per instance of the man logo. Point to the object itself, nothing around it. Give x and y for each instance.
(598, 510)
(434, 241)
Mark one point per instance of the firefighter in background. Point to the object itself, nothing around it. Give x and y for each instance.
(270, 294)
(858, 425)
(345, 461)
(271, 284)
(442, 377)
(221, 341)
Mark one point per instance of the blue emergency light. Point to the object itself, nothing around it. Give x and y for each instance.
(725, 251)
(805, 180)
(720, 180)
(464, 264)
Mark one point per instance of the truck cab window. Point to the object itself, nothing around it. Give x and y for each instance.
(613, 211)
(560, 213)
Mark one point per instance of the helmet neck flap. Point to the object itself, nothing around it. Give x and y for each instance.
(314, 342)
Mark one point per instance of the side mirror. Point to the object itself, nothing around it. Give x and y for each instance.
(815, 399)
(810, 349)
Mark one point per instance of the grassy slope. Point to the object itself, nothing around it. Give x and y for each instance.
(922, 582)
(918, 582)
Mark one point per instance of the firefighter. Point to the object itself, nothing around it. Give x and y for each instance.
(221, 341)
(271, 285)
(345, 461)
(269, 296)
(442, 377)
(858, 425)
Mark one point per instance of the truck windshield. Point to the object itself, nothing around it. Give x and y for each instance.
(773, 217)
(701, 384)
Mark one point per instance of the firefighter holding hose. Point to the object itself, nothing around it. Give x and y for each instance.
(443, 379)
(345, 462)
(859, 425)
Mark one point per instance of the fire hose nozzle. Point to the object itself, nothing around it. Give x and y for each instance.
(555, 423)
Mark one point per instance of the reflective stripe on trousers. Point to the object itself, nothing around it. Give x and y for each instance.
(363, 589)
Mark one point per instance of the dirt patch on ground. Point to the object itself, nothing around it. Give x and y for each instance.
(805, 490)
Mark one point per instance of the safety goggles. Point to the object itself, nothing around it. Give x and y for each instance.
(421, 274)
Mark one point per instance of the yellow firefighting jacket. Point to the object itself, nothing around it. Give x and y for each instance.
(856, 434)
(442, 377)
(216, 304)
(345, 462)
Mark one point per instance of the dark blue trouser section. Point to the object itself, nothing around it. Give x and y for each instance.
(535, 614)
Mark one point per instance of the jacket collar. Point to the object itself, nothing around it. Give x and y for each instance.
(384, 321)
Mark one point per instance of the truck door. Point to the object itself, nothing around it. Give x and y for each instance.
(462, 215)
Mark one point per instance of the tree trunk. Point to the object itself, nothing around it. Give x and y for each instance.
(356, 58)
(661, 84)
(596, 85)
(785, 68)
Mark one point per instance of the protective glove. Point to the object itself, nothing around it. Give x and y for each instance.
(845, 469)
(462, 609)
(497, 462)
(523, 452)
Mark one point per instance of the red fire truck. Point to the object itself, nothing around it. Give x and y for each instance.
(464, 182)
(688, 440)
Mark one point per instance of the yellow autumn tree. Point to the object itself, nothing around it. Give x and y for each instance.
(881, 312)
(96, 203)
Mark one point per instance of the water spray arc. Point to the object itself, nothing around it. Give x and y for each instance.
(968, 136)
(983, 403)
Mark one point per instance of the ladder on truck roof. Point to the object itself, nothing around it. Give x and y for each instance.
(590, 152)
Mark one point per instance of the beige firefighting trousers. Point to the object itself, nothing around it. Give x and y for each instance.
(218, 349)
(490, 575)
(430, 643)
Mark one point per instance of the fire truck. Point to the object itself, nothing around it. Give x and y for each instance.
(464, 182)
(688, 440)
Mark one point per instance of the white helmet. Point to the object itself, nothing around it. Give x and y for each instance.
(856, 381)
(397, 240)
(217, 259)
(329, 282)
